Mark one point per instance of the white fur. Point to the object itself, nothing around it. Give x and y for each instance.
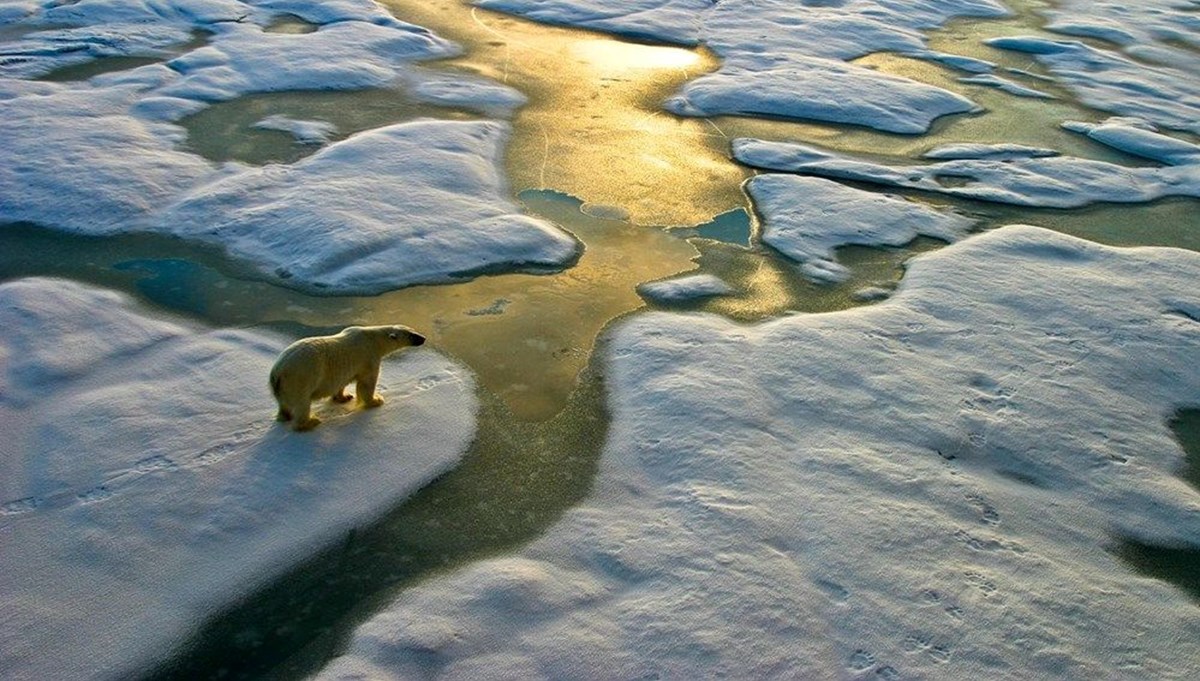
(322, 366)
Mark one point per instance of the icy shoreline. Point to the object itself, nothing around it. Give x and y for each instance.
(146, 486)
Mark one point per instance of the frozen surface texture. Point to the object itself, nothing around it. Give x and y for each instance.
(785, 58)
(675, 21)
(347, 55)
(304, 132)
(76, 160)
(411, 203)
(921, 489)
(806, 218)
(1140, 58)
(686, 288)
(144, 483)
(1004, 175)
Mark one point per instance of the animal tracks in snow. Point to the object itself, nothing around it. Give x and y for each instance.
(117, 482)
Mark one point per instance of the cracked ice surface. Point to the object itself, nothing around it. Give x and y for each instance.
(1165, 93)
(146, 486)
(1023, 178)
(918, 489)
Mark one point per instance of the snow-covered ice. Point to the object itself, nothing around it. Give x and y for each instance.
(819, 89)
(946, 152)
(411, 203)
(681, 289)
(38, 53)
(924, 488)
(74, 159)
(1112, 82)
(305, 132)
(784, 58)
(417, 203)
(807, 218)
(1025, 179)
(1005, 85)
(145, 484)
(347, 55)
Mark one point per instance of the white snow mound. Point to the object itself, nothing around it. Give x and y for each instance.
(1003, 177)
(682, 289)
(921, 489)
(807, 218)
(411, 203)
(144, 483)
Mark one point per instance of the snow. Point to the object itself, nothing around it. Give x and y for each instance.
(682, 289)
(305, 132)
(806, 218)
(920, 489)
(349, 55)
(145, 484)
(947, 152)
(1112, 82)
(1134, 137)
(410, 203)
(74, 159)
(1005, 85)
(783, 58)
(416, 204)
(673, 21)
(1053, 182)
(38, 53)
(818, 89)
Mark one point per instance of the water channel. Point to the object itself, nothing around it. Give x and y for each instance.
(649, 194)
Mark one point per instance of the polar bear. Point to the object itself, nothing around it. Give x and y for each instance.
(322, 366)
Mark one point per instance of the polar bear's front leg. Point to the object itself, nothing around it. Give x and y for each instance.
(365, 387)
(341, 396)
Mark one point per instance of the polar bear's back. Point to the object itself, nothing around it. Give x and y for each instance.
(323, 365)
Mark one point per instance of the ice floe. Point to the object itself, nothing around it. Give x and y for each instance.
(1113, 82)
(74, 159)
(411, 203)
(347, 55)
(39, 53)
(946, 152)
(682, 289)
(1025, 179)
(806, 218)
(1005, 85)
(305, 132)
(144, 484)
(819, 89)
(102, 156)
(921, 489)
(783, 58)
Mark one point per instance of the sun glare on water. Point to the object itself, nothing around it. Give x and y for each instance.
(613, 56)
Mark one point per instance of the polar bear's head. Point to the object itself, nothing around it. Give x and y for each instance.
(402, 336)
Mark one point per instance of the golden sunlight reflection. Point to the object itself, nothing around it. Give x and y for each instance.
(608, 55)
(594, 125)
